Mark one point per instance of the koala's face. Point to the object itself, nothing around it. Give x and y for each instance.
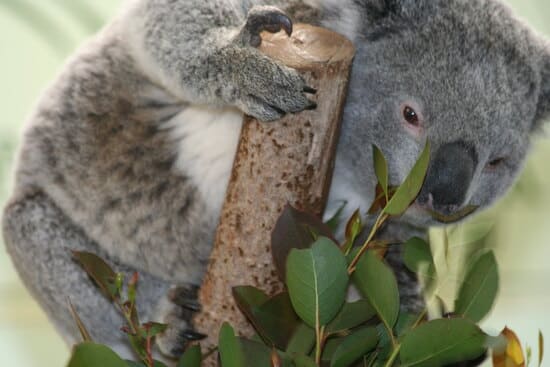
(461, 74)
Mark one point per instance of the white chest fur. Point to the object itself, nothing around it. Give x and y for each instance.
(206, 141)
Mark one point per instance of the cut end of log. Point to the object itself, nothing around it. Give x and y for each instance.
(307, 46)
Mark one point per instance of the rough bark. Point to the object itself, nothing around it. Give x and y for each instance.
(287, 161)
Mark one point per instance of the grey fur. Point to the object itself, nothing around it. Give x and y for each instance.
(99, 167)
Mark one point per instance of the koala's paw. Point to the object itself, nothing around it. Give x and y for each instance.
(264, 18)
(272, 90)
(177, 310)
(266, 89)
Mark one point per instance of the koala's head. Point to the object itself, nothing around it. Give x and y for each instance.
(463, 74)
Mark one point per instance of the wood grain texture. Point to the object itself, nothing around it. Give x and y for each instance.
(287, 161)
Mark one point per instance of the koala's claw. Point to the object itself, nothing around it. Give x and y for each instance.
(311, 106)
(310, 90)
(186, 297)
(177, 310)
(191, 335)
(264, 18)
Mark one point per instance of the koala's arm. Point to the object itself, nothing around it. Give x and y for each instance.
(205, 53)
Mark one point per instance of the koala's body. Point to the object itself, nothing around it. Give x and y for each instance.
(128, 153)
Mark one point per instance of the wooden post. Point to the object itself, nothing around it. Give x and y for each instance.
(287, 161)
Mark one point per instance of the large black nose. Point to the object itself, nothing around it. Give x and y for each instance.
(449, 177)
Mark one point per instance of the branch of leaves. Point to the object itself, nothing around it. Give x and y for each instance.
(141, 336)
(313, 325)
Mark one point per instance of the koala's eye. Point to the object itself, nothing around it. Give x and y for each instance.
(496, 163)
(411, 116)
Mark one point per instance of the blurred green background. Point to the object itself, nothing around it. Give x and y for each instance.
(36, 36)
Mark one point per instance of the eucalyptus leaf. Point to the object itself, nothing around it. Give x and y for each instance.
(302, 341)
(355, 346)
(231, 354)
(442, 342)
(304, 361)
(335, 220)
(191, 358)
(141, 364)
(409, 189)
(102, 274)
(317, 281)
(248, 296)
(275, 320)
(404, 323)
(380, 168)
(294, 229)
(330, 348)
(376, 281)
(417, 257)
(479, 289)
(351, 315)
(255, 353)
(94, 355)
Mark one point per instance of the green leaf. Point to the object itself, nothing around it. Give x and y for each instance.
(377, 283)
(247, 297)
(354, 347)
(275, 320)
(103, 275)
(152, 329)
(380, 168)
(317, 281)
(304, 361)
(94, 355)
(302, 341)
(330, 348)
(417, 257)
(351, 315)
(409, 189)
(353, 229)
(334, 221)
(442, 342)
(231, 354)
(404, 323)
(191, 358)
(140, 364)
(479, 289)
(294, 229)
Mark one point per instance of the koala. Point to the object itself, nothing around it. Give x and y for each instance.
(129, 151)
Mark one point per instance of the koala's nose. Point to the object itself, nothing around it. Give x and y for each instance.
(449, 177)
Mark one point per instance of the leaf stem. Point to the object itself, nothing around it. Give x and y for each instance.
(319, 332)
(379, 221)
(393, 356)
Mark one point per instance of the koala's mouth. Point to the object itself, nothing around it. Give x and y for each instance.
(453, 217)
(425, 216)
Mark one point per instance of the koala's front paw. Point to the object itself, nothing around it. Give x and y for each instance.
(177, 310)
(268, 90)
(272, 90)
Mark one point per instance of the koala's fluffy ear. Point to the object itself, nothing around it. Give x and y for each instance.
(543, 108)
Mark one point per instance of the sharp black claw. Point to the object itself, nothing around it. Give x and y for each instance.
(310, 90)
(311, 106)
(271, 22)
(286, 24)
(192, 335)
